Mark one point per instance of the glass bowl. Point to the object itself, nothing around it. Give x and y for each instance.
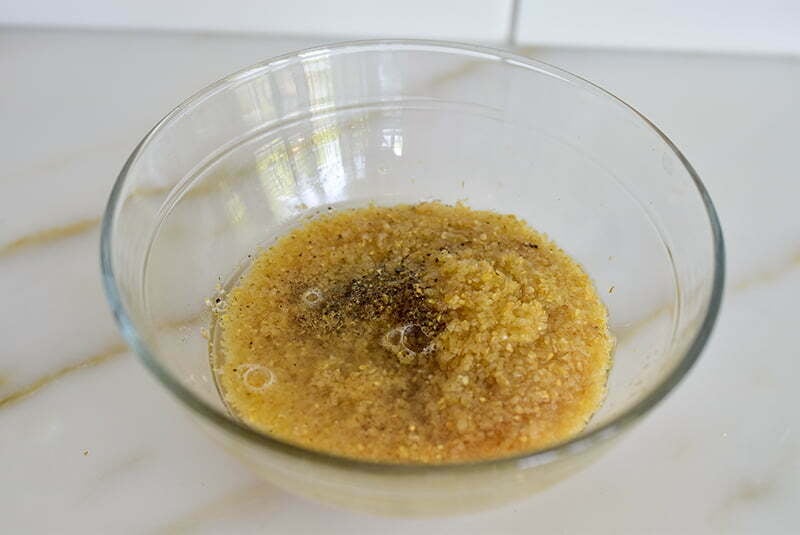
(405, 121)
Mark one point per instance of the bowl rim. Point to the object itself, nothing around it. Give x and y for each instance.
(573, 445)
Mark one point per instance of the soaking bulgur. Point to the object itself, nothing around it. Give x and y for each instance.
(414, 333)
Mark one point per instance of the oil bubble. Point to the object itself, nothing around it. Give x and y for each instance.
(414, 338)
(407, 341)
(312, 297)
(256, 378)
(393, 338)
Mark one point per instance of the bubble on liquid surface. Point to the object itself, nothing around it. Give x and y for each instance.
(393, 338)
(407, 341)
(414, 339)
(312, 297)
(256, 377)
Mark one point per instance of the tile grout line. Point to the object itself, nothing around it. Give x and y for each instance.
(513, 24)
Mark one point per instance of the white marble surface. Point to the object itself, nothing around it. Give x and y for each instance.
(91, 443)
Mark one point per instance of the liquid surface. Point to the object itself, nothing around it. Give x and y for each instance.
(425, 333)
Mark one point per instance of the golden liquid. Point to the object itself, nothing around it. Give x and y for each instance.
(425, 333)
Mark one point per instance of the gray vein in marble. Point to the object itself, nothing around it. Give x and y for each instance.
(58, 161)
(118, 468)
(128, 462)
(102, 357)
(225, 504)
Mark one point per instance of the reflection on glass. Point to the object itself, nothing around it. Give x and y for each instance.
(276, 176)
(393, 140)
(236, 208)
(327, 148)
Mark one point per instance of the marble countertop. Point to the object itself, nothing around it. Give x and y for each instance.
(92, 444)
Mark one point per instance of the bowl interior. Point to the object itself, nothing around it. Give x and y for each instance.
(387, 123)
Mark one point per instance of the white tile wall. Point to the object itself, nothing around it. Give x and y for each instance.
(476, 20)
(771, 26)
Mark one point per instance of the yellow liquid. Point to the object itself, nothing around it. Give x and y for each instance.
(425, 333)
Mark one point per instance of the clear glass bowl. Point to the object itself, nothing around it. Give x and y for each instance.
(405, 121)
